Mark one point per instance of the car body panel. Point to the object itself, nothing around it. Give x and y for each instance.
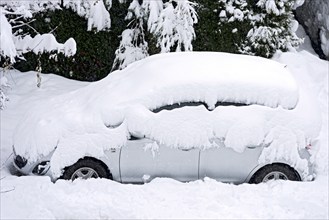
(138, 163)
(226, 165)
(222, 163)
(112, 161)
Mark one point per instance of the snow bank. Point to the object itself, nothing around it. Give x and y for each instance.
(38, 198)
(103, 115)
(312, 75)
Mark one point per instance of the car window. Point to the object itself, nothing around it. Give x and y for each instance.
(178, 105)
(230, 103)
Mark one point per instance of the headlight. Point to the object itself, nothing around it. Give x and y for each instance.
(20, 161)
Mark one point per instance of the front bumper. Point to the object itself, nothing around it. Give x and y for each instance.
(40, 167)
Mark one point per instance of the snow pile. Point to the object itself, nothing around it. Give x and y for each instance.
(312, 76)
(38, 198)
(102, 115)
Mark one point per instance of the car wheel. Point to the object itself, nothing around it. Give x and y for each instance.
(85, 169)
(275, 172)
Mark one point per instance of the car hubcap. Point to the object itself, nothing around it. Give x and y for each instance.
(84, 173)
(275, 175)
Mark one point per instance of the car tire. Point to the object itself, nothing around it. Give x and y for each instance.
(275, 172)
(86, 168)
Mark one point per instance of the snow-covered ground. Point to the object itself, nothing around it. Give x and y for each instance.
(37, 197)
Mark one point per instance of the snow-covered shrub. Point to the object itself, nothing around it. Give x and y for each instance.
(14, 45)
(133, 45)
(67, 19)
(13, 16)
(169, 24)
(258, 27)
(273, 28)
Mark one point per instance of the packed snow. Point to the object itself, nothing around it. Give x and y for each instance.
(34, 197)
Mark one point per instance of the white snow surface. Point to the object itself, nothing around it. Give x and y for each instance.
(34, 197)
(100, 116)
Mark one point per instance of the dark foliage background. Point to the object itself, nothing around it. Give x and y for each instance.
(96, 50)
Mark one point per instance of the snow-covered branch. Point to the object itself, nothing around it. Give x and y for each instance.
(175, 26)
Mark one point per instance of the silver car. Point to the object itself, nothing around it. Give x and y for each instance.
(144, 156)
(134, 163)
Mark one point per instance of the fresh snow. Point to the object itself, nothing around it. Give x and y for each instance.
(7, 46)
(102, 115)
(45, 43)
(13, 45)
(37, 197)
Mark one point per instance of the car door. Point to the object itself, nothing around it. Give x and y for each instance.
(143, 159)
(226, 165)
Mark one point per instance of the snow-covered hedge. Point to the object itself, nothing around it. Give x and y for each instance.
(258, 27)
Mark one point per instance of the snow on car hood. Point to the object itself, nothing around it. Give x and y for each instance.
(102, 115)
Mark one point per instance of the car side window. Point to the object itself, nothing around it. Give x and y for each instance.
(178, 105)
(230, 103)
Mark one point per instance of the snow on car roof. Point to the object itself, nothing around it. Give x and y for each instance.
(202, 76)
(103, 114)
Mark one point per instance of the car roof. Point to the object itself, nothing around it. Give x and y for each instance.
(208, 77)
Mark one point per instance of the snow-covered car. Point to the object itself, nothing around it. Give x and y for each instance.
(233, 118)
